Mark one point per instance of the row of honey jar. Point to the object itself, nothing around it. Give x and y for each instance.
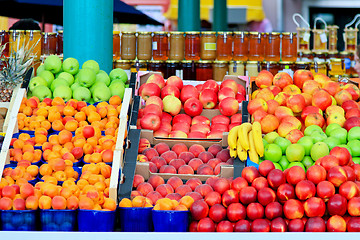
(221, 46)
(43, 43)
(203, 70)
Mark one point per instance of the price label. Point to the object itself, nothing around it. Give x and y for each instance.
(306, 37)
(210, 46)
(323, 38)
(154, 45)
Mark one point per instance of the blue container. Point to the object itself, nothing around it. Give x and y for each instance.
(28, 132)
(14, 164)
(18, 220)
(136, 219)
(58, 220)
(250, 163)
(170, 221)
(96, 221)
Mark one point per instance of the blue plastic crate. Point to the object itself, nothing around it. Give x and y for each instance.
(136, 219)
(58, 220)
(170, 221)
(96, 221)
(18, 220)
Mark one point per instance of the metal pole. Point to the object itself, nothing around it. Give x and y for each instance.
(220, 15)
(189, 15)
(88, 31)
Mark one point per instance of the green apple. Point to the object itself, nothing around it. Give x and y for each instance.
(347, 147)
(36, 81)
(95, 85)
(71, 65)
(331, 127)
(117, 88)
(284, 162)
(296, 164)
(42, 92)
(318, 150)
(101, 94)
(126, 85)
(86, 77)
(265, 142)
(271, 136)
(118, 73)
(354, 133)
(64, 92)
(283, 143)
(82, 94)
(58, 73)
(75, 86)
(295, 152)
(58, 82)
(91, 101)
(318, 136)
(356, 160)
(40, 69)
(307, 162)
(354, 145)
(272, 152)
(53, 64)
(277, 166)
(92, 64)
(29, 94)
(307, 143)
(339, 133)
(312, 128)
(103, 77)
(67, 76)
(48, 76)
(332, 142)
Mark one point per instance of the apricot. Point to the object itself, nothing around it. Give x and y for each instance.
(33, 170)
(96, 157)
(40, 139)
(115, 100)
(57, 164)
(69, 146)
(82, 183)
(80, 116)
(69, 111)
(93, 195)
(86, 203)
(32, 203)
(54, 115)
(59, 175)
(88, 148)
(109, 204)
(125, 202)
(139, 201)
(58, 101)
(71, 125)
(24, 136)
(18, 144)
(45, 202)
(187, 201)
(58, 202)
(54, 139)
(93, 116)
(50, 179)
(100, 186)
(72, 203)
(65, 136)
(45, 124)
(165, 204)
(68, 183)
(83, 123)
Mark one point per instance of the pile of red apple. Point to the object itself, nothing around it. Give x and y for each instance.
(183, 160)
(270, 200)
(166, 99)
(289, 105)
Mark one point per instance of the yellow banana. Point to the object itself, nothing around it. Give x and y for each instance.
(233, 153)
(233, 136)
(257, 134)
(243, 135)
(254, 157)
(242, 154)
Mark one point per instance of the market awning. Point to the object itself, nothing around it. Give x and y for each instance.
(254, 9)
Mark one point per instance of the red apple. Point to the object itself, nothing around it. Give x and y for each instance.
(321, 99)
(150, 89)
(157, 79)
(352, 122)
(150, 121)
(174, 81)
(301, 76)
(154, 109)
(282, 79)
(208, 98)
(170, 90)
(193, 107)
(211, 84)
(226, 92)
(230, 84)
(155, 100)
(188, 91)
(229, 106)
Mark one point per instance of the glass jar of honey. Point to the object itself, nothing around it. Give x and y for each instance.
(288, 67)
(123, 64)
(4, 38)
(144, 46)
(188, 69)
(220, 69)
(320, 39)
(256, 46)
(237, 68)
(177, 46)
(320, 56)
(320, 67)
(60, 43)
(336, 66)
(48, 43)
(160, 46)
(138, 65)
(332, 54)
(272, 46)
(116, 45)
(16, 40)
(128, 45)
(332, 37)
(302, 66)
(172, 68)
(253, 68)
(156, 66)
(224, 46)
(305, 56)
(241, 46)
(303, 39)
(270, 66)
(33, 40)
(208, 46)
(289, 47)
(192, 46)
(204, 70)
(350, 39)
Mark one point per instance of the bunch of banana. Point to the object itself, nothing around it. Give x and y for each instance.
(246, 140)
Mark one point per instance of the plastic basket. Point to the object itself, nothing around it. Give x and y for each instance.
(170, 221)
(58, 220)
(136, 219)
(18, 220)
(96, 221)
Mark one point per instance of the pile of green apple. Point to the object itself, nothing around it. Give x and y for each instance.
(55, 78)
(315, 144)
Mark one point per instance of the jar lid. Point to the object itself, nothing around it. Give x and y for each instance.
(186, 61)
(123, 61)
(272, 33)
(160, 32)
(204, 61)
(239, 32)
(319, 30)
(254, 33)
(288, 33)
(33, 31)
(139, 61)
(351, 29)
(270, 62)
(286, 62)
(224, 32)
(218, 61)
(333, 27)
(307, 52)
(237, 62)
(344, 53)
(128, 32)
(300, 62)
(176, 33)
(172, 61)
(320, 52)
(49, 33)
(319, 63)
(15, 30)
(192, 32)
(208, 33)
(60, 31)
(335, 60)
(252, 62)
(156, 61)
(333, 52)
(116, 32)
(144, 33)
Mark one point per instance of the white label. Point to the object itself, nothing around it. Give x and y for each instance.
(179, 73)
(154, 45)
(128, 72)
(306, 37)
(323, 37)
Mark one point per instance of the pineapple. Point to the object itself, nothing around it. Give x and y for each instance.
(13, 69)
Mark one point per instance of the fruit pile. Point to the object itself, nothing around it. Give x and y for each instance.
(270, 200)
(65, 80)
(183, 160)
(166, 99)
(289, 105)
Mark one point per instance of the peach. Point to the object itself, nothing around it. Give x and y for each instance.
(86, 203)
(57, 164)
(49, 190)
(72, 203)
(19, 204)
(45, 202)
(26, 190)
(32, 203)
(58, 202)
(65, 136)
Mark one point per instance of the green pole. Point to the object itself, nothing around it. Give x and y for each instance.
(88, 31)
(189, 15)
(220, 15)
